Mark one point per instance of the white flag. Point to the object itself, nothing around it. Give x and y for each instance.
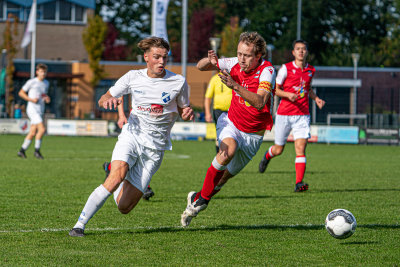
(30, 27)
(158, 19)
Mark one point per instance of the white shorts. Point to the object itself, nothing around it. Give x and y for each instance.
(34, 117)
(143, 161)
(248, 144)
(298, 124)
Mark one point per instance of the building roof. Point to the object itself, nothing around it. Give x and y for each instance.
(28, 3)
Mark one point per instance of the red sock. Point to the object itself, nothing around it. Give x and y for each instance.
(269, 154)
(300, 165)
(212, 178)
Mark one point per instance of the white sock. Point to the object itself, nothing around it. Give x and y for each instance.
(38, 142)
(93, 204)
(26, 144)
(116, 192)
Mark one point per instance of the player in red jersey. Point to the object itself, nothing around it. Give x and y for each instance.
(293, 87)
(240, 132)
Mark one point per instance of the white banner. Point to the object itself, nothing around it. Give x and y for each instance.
(159, 19)
(14, 126)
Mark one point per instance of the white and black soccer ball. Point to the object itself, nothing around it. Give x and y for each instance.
(340, 223)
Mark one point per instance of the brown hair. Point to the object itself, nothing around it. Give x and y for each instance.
(256, 39)
(41, 66)
(146, 44)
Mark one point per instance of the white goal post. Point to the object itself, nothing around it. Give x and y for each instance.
(329, 117)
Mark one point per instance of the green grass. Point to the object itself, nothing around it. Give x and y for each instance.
(256, 219)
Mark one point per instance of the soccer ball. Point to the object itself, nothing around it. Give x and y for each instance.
(340, 223)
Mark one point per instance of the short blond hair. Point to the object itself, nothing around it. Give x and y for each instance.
(146, 44)
(260, 47)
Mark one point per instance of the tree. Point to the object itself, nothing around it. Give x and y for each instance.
(115, 49)
(201, 29)
(93, 38)
(229, 38)
(9, 35)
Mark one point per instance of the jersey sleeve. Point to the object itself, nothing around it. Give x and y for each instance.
(227, 63)
(182, 99)
(282, 74)
(211, 87)
(267, 79)
(27, 85)
(121, 87)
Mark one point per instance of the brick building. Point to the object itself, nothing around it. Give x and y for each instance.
(59, 27)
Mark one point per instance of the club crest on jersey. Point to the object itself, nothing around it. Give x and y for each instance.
(166, 97)
(294, 71)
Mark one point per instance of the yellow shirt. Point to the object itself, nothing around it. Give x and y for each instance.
(220, 92)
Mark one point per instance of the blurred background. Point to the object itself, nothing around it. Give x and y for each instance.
(354, 46)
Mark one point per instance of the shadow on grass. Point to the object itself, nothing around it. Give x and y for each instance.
(354, 190)
(359, 243)
(251, 197)
(224, 227)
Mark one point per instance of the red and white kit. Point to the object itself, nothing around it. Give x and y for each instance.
(293, 116)
(244, 120)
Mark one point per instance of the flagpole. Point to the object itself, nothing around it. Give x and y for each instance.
(33, 46)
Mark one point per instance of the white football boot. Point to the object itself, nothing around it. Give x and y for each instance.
(192, 209)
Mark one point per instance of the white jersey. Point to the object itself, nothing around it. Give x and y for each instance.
(155, 103)
(36, 88)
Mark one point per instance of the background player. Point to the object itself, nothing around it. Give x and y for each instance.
(34, 91)
(221, 96)
(240, 132)
(158, 98)
(122, 120)
(293, 86)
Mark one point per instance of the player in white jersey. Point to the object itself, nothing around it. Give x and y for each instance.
(34, 92)
(122, 120)
(158, 98)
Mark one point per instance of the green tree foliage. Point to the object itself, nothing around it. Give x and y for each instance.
(229, 38)
(11, 45)
(93, 38)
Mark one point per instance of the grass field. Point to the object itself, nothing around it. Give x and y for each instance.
(256, 219)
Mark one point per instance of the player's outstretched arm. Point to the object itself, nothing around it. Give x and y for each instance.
(107, 101)
(208, 63)
(186, 113)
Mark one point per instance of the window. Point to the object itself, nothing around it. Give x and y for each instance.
(49, 11)
(1, 9)
(14, 9)
(79, 13)
(65, 11)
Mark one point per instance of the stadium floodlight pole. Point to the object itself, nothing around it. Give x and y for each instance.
(298, 19)
(355, 57)
(184, 37)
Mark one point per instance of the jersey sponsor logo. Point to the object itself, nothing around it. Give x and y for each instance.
(166, 97)
(138, 92)
(153, 110)
(300, 89)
